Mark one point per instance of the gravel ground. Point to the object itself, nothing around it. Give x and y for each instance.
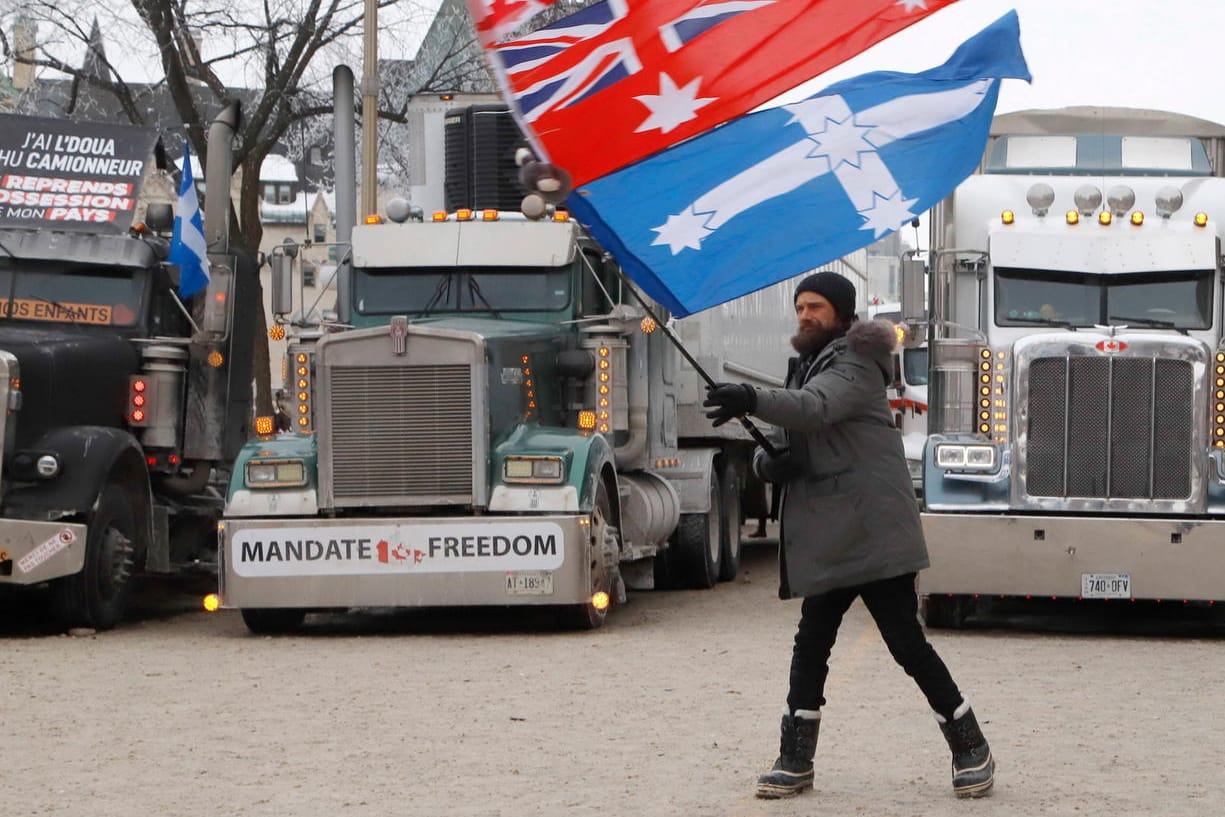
(671, 709)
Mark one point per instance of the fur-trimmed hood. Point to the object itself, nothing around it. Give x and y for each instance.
(873, 338)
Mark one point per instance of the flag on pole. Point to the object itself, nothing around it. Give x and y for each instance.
(623, 79)
(187, 246)
(779, 192)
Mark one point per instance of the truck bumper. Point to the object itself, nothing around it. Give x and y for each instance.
(33, 552)
(405, 562)
(1053, 555)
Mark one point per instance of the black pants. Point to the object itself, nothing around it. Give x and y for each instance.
(895, 608)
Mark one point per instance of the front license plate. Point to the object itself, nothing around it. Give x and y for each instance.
(1105, 585)
(529, 583)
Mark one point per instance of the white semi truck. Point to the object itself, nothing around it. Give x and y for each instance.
(494, 421)
(1077, 379)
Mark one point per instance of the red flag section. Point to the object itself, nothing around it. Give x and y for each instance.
(623, 79)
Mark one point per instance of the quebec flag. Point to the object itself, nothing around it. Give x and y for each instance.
(187, 246)
(782, 191)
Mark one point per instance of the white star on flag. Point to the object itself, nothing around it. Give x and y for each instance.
(683, 230)
(911, 5)
(841, 142)
(672, 106)
(887, 213)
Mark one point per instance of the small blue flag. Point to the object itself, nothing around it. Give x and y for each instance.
(780, 192)
(187, 246)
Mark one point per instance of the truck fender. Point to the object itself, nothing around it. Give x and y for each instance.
(691, 478)
(90, 458)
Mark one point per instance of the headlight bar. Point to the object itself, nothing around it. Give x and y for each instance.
(533, 469)
(957, 457)
(282, 473)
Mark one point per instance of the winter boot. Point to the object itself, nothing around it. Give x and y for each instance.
(973, 766)
(792, 772)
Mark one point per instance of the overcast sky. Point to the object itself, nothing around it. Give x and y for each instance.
(1164, 54)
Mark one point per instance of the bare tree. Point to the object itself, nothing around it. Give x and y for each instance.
(276, 56)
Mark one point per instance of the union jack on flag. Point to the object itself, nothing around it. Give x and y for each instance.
(623, 79)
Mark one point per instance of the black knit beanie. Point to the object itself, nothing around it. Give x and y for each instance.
(836, 289)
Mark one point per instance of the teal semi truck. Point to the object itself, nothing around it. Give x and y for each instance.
(493, 420)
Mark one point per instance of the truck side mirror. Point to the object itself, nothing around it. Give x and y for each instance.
(282, 284)
(914, 288)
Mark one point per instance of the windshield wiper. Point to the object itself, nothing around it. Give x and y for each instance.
(474, 290)
(1154, 322)
(1043, 321)
(443, 290)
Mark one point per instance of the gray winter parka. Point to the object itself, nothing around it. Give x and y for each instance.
(850, 516)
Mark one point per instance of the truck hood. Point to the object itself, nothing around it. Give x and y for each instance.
(492, 328)
(69, 377)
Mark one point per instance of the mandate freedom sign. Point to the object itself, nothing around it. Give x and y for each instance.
(452, 547)
(64, 175)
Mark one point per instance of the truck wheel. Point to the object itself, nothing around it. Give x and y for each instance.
(604, 535)
(698, 546)
(946, 612)
(729, 540)
(273, 620)
(98, 596)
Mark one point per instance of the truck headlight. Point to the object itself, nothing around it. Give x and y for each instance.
(288, 473)
(533, 469)
(915, 467)
(954, 457)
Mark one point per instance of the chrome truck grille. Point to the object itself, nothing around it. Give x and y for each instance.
(1113, 426)
(401, 430)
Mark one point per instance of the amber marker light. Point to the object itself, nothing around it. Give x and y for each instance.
(463, 214)
(374, 219)
(212, 602)
(1201, 219)
(276, 332)
(1104, 218)
(648, 325)
(215, 359)
(489, 215)
(1072, 217)
(263, 425)
(586, 420)
(600, 600)
(1008, 216)
(1137, 218)
(439, 215)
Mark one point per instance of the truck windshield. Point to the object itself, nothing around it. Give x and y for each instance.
(413, 290)
(59, 293)
(914, 366)
(1165, 300)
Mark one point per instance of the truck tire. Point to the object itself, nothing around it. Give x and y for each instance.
(585, 616)
(729, 542)
(946, 612)
(273, 620)
(98, 596)
(698, 547)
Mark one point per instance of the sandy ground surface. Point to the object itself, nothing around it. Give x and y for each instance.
(671, 709)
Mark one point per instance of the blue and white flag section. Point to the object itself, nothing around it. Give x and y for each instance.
(779, 192)
(187, 247)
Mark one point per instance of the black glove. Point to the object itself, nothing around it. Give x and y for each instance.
(778, 467)
(728, 400)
